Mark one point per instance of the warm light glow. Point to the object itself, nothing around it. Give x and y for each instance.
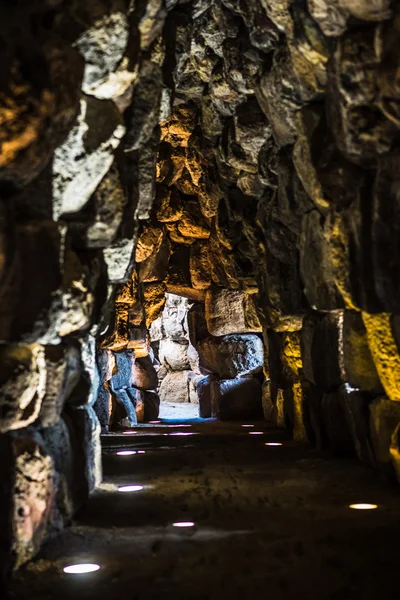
(256, 433)
(130, 488)
(183, 524)
(247, 425)
(83, 568)
(273, 444)
(129, 432)
(363, 506)
(126, 452)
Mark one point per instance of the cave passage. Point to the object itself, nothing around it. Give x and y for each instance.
(199, 299)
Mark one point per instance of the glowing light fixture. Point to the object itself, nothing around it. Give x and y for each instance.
(130, 488)
(273, 444)
(181, 433)
(126, 452)
(179, 425)
(183, 524)
(154, 422)
(141, 451)
(247, 425)
(363, 506)
(82, 568)
(256, 433)
(129, 432)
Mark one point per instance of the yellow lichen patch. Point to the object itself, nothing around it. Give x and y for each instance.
(337, 238)
(384, 352)
(291, 355)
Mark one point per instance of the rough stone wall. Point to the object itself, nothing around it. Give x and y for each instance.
(249, 146)
(176, 359)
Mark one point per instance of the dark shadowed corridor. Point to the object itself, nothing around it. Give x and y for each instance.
(270, 521)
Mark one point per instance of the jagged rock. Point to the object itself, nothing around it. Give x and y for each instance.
(82, 161)
(101, 218)
(119, 260)
(85, 429)
(33, 494)
(155, 267)
(22, 385)
(238, 398)
(356, 361)
(63, 374)
(168, 205)
(100, 31)
(174, 355)
(321, 368)
(385, 352)
(351, 97)
(205, 394)
(316, 268)
(175, 387)
(332, 15)
(230, 312)
(145, 107)
(36, 113)
(356, 408)
(148, 243)
(103, 405)
(295, 410)
(197, 324)
(384, 419)
(153, 301)
(231, 355)
(151, 406)
(200, 260)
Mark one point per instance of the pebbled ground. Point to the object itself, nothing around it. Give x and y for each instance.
(271, 522)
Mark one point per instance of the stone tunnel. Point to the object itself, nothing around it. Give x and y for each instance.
(199, 213)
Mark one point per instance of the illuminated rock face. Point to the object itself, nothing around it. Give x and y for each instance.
(241, 155)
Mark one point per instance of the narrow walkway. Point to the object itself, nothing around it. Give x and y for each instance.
(270, 522)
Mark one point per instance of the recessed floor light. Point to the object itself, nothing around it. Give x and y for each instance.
(141, 451)
(129, 432)
(181, 433)
(126, 452)
(247, 425)
(183, 524)
(82, 568)
(154, 422)
(363, 506)
(130, 488)
(273, 444)
(256, 433)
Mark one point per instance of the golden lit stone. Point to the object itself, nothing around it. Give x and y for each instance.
(384, 352)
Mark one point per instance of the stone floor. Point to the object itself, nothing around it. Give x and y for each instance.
(271, 522)
(178, 410)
